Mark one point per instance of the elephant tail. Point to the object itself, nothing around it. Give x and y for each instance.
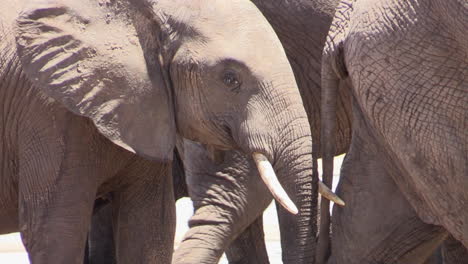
(333, 72)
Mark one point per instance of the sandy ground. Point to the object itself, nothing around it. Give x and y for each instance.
(12, 250)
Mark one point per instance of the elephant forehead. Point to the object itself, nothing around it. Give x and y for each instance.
(224, 27)
(260, 61)
(219, 11)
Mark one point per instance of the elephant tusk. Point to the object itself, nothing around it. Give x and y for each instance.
(329, 194)
(271, 181)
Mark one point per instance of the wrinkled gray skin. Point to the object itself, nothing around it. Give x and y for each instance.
(85, 84)
(301, 27)
(406, 63)
(100, 246)
(287, 18)
(221, 216)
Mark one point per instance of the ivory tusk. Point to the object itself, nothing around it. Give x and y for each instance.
(329, 194)
(269, 178)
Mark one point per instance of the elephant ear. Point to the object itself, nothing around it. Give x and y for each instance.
(89, 57)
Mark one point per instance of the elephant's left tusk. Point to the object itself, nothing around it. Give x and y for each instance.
(329, 194)
(269, 178)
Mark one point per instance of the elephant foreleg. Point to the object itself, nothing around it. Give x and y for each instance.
(100, 246)
(144, 211)
(55, 206)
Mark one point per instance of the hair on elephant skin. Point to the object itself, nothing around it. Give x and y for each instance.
(93, 93)
(406, 65)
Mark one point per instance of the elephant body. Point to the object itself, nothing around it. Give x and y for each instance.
(54, 165)
(406, 65)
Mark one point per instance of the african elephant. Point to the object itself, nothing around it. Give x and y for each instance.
(406, 64)
(302, 27)
(93, 93)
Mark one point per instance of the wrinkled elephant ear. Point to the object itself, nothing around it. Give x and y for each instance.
(90, 58)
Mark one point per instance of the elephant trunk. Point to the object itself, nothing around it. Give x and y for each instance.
(298, 231)
(206, 240)
(234, 197)
(290, 152)
(223, 199)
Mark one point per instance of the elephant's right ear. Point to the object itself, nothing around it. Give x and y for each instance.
(89, 57)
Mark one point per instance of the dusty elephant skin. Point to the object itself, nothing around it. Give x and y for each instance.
(248, 248)
(100, 245)
(406, 62)
(85, 84)
(223, 206)
(302, 27)
(300, 34)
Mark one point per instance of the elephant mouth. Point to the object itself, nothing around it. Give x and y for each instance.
(226, 140)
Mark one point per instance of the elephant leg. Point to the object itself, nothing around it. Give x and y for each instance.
(55, 206)
(100, 248)
(453, 252)
(377, 213)
(144, 211)
(249, 247)
(101, 236)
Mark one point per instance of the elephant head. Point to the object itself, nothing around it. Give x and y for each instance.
(214, 71)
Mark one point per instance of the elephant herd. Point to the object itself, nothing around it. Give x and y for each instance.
(110, 110)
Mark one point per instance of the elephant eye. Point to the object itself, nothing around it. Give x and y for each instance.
(231, 80)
